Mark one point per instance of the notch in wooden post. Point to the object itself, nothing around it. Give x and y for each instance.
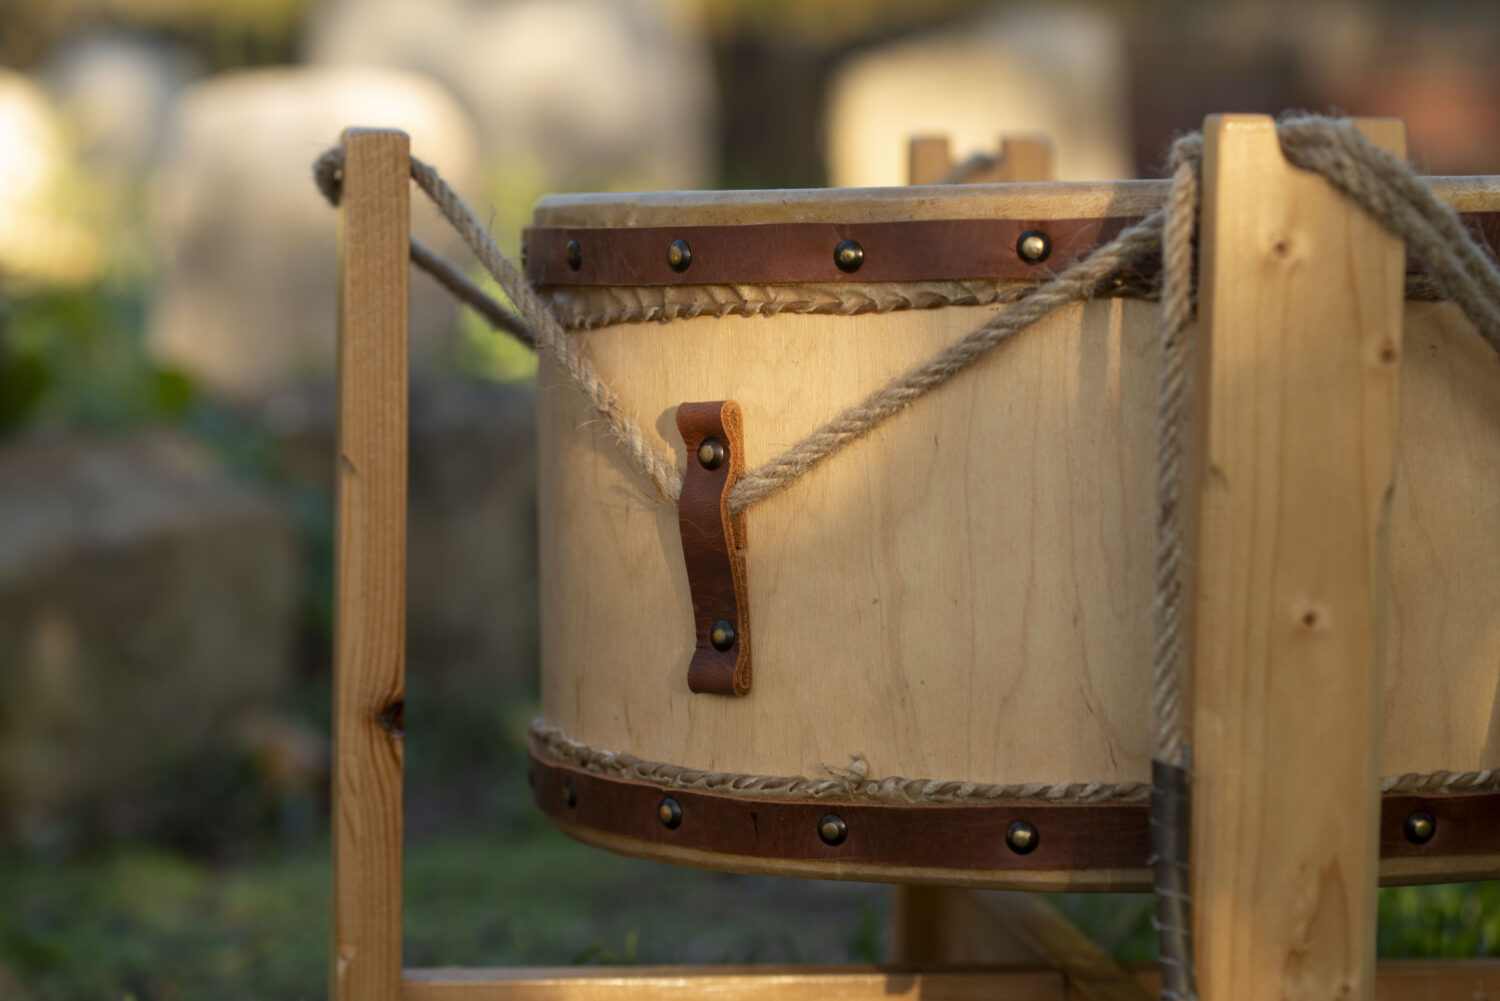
(370, 584)
(1020, 158)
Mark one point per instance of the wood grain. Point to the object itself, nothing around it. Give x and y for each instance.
(369, 635)
(1049, 200)
(1091, 975)
(1301, 309)
(966, 593)
(1020, 158)
(1397, 980)
(939, 924)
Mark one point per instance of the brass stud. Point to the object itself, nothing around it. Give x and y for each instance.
(569, 794)
(848, 255)
(1420, 827)
(711, 453)
(574, 255)
(832, 829)
(679, 255)
(669, 813)
(722, 635)
(1022, 838)
(1034, 246)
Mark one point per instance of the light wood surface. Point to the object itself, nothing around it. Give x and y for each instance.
(1019, 158)
(939, 924)
(1051, 200)
(1397, 980)
(745, 983)
(966, 593)
(1091, 974)
(370, 636)
(1301, 313)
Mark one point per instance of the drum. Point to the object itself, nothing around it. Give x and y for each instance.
(951, 619)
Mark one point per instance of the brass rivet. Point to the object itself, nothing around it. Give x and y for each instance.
(575, 255)
(679, 255)
(1420, 827)
(669, 813)
(1022, 838)
(1034, 246)
(722, 635)
(711, 453)
(832, 829)
(848, 255)
(569, 795)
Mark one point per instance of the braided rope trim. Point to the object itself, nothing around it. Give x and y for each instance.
(854, 784)
(591, 307)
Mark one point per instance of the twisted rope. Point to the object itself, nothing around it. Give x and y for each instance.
(1170, 804)
(855, 783)
(1379, 182)
(541, 326)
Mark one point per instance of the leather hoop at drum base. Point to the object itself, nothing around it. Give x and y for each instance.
(966, 840)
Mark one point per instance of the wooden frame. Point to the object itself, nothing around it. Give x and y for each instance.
(1285, 910)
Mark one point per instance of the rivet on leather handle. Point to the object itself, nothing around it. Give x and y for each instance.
(713, 547)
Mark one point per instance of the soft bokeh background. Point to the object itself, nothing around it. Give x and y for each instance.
(166, 422)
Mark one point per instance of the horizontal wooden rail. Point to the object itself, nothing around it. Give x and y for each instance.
(1395, 980)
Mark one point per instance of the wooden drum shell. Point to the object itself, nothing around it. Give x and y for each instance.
(966, 593)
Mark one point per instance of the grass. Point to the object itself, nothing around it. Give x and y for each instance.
(149, 925)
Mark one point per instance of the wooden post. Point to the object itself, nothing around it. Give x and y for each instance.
(1021, 158)
(1301, 311)
(370, 624)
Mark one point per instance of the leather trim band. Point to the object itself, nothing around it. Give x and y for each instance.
(776, 253)
(951, 837)
(713, 543)
(804, 252)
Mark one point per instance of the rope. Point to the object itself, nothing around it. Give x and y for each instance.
(1383, 185)
(545, 332)
(854, 782)
(1170, 781)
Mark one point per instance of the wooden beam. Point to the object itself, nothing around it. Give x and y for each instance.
(370, 631)
(1091, 975)
(1020, 158)
(1400, 980)
(1300, 308)
(944, 924)
(746, 983)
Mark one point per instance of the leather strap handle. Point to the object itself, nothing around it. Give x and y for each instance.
(713, 545)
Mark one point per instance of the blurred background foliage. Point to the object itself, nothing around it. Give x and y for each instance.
(214, 882)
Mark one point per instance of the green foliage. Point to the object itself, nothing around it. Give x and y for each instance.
(1457, 919)
(75, 357)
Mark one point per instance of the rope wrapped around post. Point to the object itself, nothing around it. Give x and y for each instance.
(1383, 185)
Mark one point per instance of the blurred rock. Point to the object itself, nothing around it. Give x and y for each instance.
(146, 601)
(471, 520)
(114, 90)
(584, 93)
(247, 300)
(1059, 70)
(42, 237)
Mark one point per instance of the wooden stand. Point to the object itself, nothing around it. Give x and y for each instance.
(1020, 158)
(1300, 350)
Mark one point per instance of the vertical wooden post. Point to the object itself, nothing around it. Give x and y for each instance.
(1301, 311)
(1020, 158)
(370, 623)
